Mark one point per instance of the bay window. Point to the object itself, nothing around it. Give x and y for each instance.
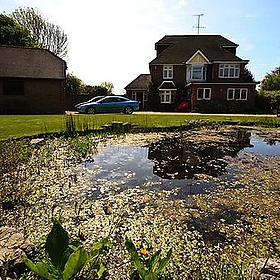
(167, 96)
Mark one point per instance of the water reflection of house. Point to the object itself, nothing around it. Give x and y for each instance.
(176, 158)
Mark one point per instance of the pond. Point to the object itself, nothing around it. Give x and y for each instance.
(172, 163)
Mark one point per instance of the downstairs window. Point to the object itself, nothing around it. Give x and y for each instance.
(167, 96)
(237, 94)
(204, 94)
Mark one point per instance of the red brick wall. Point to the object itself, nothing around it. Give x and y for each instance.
(41, 96)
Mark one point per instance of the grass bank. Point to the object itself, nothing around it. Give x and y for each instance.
(28, 125)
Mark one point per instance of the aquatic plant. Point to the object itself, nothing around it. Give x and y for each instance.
(148, 265)
(66, 259)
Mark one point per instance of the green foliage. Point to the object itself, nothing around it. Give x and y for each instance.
(108, 86)
(67, 260)
(13, 34)
(147, 266)
(74, 85)
(94, 269)
(83, 146)
(57, 244)
(248, 75)
(270, 88)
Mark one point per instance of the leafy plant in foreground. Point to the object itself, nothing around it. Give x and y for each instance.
(147, 266)
(67, 260)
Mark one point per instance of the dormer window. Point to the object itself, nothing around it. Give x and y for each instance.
(229, 70)
(168, 72)
(196, 73)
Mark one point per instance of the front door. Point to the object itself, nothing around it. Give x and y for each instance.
(141, 96)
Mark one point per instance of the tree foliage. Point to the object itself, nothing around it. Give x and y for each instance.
(109, 86)
(75, 85)
(249, 77)
(11, 33)
(270, 88)
(45, 34)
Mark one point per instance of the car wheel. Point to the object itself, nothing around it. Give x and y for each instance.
(90, 110)
(128, 110)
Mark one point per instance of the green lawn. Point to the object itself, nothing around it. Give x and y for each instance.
(15, 126)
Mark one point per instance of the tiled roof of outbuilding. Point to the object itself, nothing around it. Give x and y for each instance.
(140, 83)
(24, 62)
(179, 49)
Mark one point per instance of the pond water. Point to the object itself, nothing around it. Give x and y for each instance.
(171, 163)
(260, 146)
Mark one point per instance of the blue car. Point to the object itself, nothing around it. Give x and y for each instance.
(108, 104)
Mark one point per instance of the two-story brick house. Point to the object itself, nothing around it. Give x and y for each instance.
(200, 72)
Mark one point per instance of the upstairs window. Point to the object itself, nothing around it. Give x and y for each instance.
(196, 73)
(237, 94)
(204, 94)
(167, 72)
(229, 70)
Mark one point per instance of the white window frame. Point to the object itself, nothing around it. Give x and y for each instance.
(134, 95)
(167, 96)
(229, 71)
(236, 94)
(192, 69)
(145, 96)
(205, 91)
(167, 72)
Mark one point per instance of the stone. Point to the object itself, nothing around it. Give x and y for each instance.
(12, 246)
(264, 269)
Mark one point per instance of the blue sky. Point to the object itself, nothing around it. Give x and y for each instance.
(113, 40)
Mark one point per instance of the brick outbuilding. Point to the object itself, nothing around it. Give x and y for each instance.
(32, 81)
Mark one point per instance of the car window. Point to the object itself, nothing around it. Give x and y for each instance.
(110, 100)
(96, 98)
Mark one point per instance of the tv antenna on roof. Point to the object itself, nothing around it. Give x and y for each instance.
(198, 27)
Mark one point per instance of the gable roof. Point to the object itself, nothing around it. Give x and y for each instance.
(178, 49)
(140, 83)
(22, 62)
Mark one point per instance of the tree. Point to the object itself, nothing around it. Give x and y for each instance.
(74, 85)
(13, 34)
(248, 75)
(270, 88)
(109, 86)
(45, 34)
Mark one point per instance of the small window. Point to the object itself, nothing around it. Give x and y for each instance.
(13, 87)
(204, 94)
(168, 72)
